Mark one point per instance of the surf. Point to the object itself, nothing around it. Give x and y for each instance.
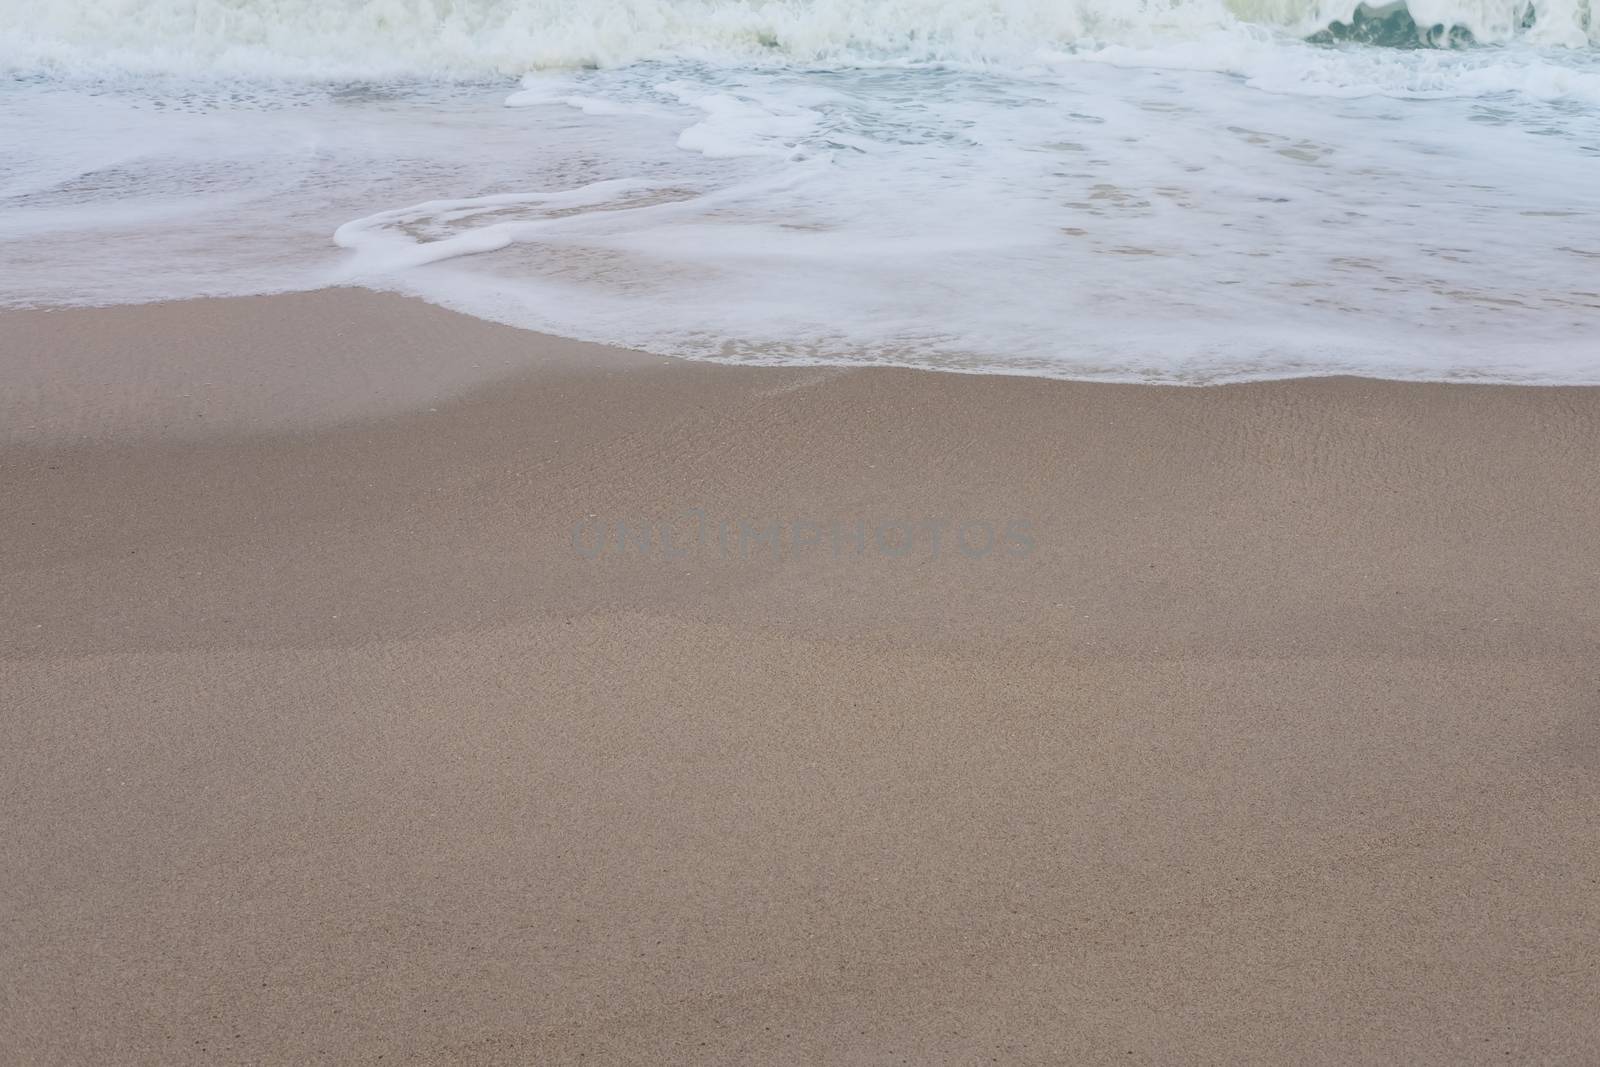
(1190, 192)
(464, 38)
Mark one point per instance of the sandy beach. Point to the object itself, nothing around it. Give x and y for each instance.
(939, 719)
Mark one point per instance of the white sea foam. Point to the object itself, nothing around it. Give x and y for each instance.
(371, 38)
(1095, 188)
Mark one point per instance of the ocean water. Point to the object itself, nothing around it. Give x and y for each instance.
(1135, 190)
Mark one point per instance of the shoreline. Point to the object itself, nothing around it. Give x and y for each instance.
(330, 742)
(93, 340)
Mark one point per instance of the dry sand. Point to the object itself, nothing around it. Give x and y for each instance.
(322, 740)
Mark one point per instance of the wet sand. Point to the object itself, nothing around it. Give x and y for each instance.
(331, 732)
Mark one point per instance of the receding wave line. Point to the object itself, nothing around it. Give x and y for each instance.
(342, 38)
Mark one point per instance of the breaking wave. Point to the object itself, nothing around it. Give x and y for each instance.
(452, 38)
